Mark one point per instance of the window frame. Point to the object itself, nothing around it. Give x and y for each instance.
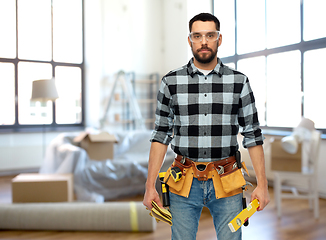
(16, 127)
(303, 46)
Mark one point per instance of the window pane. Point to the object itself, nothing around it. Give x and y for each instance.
(8, 29)
(230, 64)
(283, 89)
(224, 11)
(314, 87)
(283, 22)
(7, 94)
(313, 16)
(32, 112)
(34, 26)
(67, 31)
(68, 105)
(254, 69)
(250, 26)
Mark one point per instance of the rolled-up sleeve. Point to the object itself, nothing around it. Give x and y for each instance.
(248, 118)
(164, 116)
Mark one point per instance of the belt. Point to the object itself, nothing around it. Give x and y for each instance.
(201, 169)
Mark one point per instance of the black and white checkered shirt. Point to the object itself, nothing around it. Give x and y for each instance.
(201, 115)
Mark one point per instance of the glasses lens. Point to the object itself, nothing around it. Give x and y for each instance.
(196, 37)
(211, 36)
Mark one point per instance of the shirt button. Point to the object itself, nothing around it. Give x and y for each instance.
(205, 114)
(205, 95)
(205, 78)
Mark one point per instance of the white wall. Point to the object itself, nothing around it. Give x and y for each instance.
(132, 35)
(22, 151)
(93, 59)
(175, 32)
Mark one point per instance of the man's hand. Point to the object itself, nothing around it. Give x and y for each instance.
(261, 194)
(151, 195)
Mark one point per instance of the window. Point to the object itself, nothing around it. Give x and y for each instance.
(280, 49)
(41, 42)
(256, 74)
(251, 27)
(314, 86)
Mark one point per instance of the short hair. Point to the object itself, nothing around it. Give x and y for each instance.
(205, 17)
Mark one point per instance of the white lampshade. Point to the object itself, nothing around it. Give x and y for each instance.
(44, 90)
(290, 144)
(301, 132)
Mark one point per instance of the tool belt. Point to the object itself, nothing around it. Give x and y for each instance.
(226, 174)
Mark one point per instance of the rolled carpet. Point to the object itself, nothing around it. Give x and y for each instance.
(77, 216)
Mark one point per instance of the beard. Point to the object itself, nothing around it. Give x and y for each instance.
(204, 57)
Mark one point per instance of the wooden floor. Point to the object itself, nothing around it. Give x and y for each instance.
(297, 223)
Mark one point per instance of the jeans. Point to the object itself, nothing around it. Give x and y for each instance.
(186, 212)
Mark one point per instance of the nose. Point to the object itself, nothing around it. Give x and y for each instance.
(204, 40)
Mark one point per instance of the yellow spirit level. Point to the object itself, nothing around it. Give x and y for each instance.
(243, 216)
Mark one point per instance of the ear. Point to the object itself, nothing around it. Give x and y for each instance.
(189, 42)
(220, 40)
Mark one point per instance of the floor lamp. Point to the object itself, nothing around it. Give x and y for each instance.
(43, 91)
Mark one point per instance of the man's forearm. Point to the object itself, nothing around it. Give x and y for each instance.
(258, 161)
(156, 157)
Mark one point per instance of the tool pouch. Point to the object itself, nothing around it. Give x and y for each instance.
(182, 187)
(232, 180)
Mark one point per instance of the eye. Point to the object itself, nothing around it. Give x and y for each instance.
(211, 35)
(196, 36)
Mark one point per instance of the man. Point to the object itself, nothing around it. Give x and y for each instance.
(200, 109)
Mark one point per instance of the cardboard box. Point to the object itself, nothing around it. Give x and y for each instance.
(284, 161)
(98, 146)
(35, 187)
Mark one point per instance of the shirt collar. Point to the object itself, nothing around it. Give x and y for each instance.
(192, 70)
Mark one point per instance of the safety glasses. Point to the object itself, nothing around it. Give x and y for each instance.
(197, 37)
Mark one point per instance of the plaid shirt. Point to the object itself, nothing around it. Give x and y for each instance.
(201, 115)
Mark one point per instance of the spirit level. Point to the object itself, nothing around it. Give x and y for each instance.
(243, 216)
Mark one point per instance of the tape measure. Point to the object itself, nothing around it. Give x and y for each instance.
(176, 173)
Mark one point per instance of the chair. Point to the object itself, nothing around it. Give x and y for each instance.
(308, 175)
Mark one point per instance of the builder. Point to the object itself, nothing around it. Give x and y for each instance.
(201, 107)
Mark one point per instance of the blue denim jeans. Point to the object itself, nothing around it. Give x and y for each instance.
(186, 212)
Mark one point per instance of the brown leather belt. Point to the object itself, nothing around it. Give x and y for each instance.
(201, 169)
